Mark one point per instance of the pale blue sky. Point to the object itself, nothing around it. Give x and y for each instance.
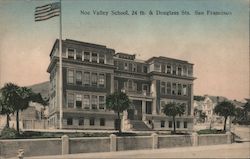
(217, 45)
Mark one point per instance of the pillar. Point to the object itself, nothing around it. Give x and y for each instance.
(195, 139)
(228, 137)
(65, 145)
(153, 92)
(113, 143)
(143, 107)
(154, 141)
(112, 83)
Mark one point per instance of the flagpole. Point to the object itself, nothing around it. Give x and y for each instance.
(60, 67)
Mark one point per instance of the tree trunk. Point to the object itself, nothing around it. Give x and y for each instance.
(120, 121)
(174, 123)
(7, 120)
(225, 123)
(17, 121)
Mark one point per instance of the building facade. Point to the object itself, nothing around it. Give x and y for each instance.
(91, 72)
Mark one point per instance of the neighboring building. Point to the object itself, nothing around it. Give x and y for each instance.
(91, 72)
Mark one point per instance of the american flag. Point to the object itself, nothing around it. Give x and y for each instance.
(47, 11)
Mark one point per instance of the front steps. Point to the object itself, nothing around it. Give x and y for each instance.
(139, 125)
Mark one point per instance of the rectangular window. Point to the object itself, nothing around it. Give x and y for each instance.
(184, 71)
(94, 79)
(125, 66)
(174, 70)
(92, 121)
(70, 100)
(163, 68)
(157, 67)
(86, 101)
(69, 121)
(116, 85)
(168, 69)
(101, 102)
(168, 88)
(162, 124)
(79, 77)
(101, 80)
(86, 78)
(190, 71)
(162, 105)
(130, 67)
(87, 56)
(139, 67)
(78, 101)
(173, 88)
(178, 124)
(163, 87)
(102, 122)
(134, 67)
(179, 71)
(145, 69)
(184, 90)
(94, 57)
(185, 124)
(170, 124)
(81, 121)
(179, 89)
(79, 56)
(101, 58)
(70, 77)
(71, 53)
(94, 102)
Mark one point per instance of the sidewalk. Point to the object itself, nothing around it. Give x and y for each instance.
(235, 150)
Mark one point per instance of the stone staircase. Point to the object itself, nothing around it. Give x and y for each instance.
(139, 125)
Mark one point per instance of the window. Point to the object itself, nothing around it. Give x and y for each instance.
(116, 85)
(145, 87)
(179, 89)
(145, 69)
(81, 121)
(170, 124)
(162, 124)
(78, 101)
(163, 87)
(71, 53)
(125, 66)
(101, 102)
(184, 89)
(157, 67)
(94, 102)
(139, 68)
(70, 100)
(130, 67)
(174, 89)
(94, 79)
(102, 122)
(185, 124)
(86, 78)
(79, 56)
(190, 71)
(70, 77)
(101, 58)
(174, 70)
(162, 106)
(79, 77)
(134, 67)
(178, 124)
(179, 71)
(163, 68)
(185, 71)
(101, 80)
(69, 121)
(86, 101)
(168, 88)
(92, 121)
(94, 57)
(87, 56)
(168, 69)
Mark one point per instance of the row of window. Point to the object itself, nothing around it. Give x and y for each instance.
(168, 88)
(85, 101)
(86, 56)
(86, 78)
(92, 121)
(170, 124)
(132, 67)
(173, 69)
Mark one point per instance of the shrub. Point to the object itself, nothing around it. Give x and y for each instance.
(8, 133)
(212, 131)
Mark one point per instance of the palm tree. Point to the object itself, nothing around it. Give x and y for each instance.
(174, 109)
(225, 109)
(118, 102)
(5, 110)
